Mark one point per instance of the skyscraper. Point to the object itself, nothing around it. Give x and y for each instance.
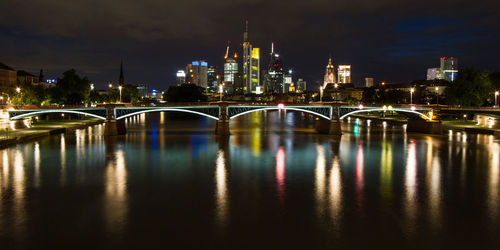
(449, 68)
(251, 65)
(274, 76)
(230, 68)
(329, 74)
(197, 73)
(212, 79)
(181, 77)
(344, 74)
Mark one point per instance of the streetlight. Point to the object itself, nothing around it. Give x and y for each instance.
(18, 90)
(437, 96)
(120, 88)
(110, 85)
(411, 95)
(496, 98)
(221, 90)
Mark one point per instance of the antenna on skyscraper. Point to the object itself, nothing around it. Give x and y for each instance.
(227, 49)
(272, 47)
(245, 35)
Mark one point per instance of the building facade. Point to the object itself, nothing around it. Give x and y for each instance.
(274, 78)
(329, 74)
(344, 74)
(8, 75)
(251, 65)
(197, 73)
(180, 77)
(449, 68)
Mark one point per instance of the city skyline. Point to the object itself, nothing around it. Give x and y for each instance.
(395, 48)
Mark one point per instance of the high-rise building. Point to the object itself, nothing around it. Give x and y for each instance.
(449, 68)
(251, 65)
(181, 77)
(329, 74)
(197, 73)
(368, 82)
(274, 76)
(434, 73)
(143, 90)
(301, 85)
(230, 67)
(212, 79)
(344, 74)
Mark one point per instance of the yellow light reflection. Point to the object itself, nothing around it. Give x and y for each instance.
(256, 133)
(494, 182)
(320, 180)
(222, 204)
(116, 192)
(19, 189)
(411, 184)
(386, 170)
(335, 192)
(63, 160)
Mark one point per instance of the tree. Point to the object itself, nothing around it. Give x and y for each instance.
(71, 89)
(185, 93)
(471, 88)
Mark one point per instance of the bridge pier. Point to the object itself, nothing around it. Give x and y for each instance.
(114, 127)
(330, 127)
(423, 126)
(222, 127)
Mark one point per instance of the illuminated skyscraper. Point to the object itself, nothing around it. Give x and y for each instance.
(251, 65)
(181, 77)
(230, 68)
(212, 79)
(196, 73)
(274, 77)
(344, 74)
(329, 74)
(449, 68)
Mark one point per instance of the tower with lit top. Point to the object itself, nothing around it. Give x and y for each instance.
(329, 74)
(251, 65)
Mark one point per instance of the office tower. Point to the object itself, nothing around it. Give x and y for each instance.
(434, 73)
(368, 82)
(143, 90)
(230, 67)
(329, 74)
(251, 65)
(181, 77)
(274, 76)
(196, 73)
(301, 85)
(344, 74)
(449, 68)
(212, 79)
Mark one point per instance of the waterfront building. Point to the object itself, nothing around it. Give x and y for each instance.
(251, 65)
(329, 74)
(180, 77)
(197, 73)
(344, 73)
(8, 75)
(26, 78)
(143, 90)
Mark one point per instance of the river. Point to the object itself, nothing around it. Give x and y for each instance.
(273, 184)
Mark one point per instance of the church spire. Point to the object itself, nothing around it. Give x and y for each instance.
(122, 80)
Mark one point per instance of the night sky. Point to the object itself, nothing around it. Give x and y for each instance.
(389, 40)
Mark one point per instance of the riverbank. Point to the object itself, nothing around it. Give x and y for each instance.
(42, 129)
(454, 125)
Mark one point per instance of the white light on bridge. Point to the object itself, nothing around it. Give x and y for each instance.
(281, 106)
(360, 106)
(413, 108)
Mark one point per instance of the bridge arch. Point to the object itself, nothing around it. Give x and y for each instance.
(19, 114)
(255, 109)
(119, 116)
(406, 111)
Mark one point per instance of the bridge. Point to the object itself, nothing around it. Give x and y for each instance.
(329, 114)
